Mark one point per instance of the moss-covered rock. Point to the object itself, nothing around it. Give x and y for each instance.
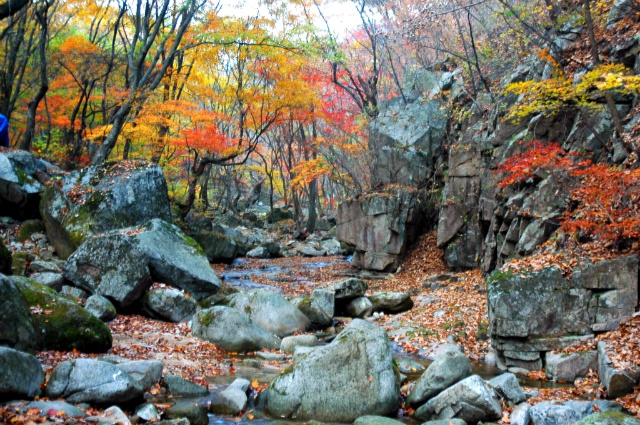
(19, 262)
(16, 327)
(28, 228)
(63, 324)
(609, 418)
(219, 248)
(101, 198)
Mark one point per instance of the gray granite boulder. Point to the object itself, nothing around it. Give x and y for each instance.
(232, 330)
(269, 310)
(169, 304)
(319, 307)
(508, 387)
(121, 264)
(100, 307)
(290, 343)
(100, 198)
(618, 382)
(20, 190)
(20, 374)
(91, 381)
(144, 373)
(351, 377)
(349, 289)
(359, 307)
(446, 370)
(391, 302)
(470, 400)
(553, 414)
(568, 367)
(180, 387)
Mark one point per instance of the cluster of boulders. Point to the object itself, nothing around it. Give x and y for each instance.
(223, 244)
(448, 392)
(261, 318)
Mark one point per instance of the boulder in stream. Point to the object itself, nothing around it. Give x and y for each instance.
(269, 310)
(351, 377)
(232, 330)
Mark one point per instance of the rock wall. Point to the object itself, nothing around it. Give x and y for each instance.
(533, 313)
(480, 225)
(408, 140)
(381, 226)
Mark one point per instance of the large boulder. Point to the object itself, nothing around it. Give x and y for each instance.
(618, 382)
(381, 226)
(568, 367)
(319, 307)
(214, 325)
(121, 264)
(16, 327)
(100, 307)
(351, 377)
(391, 302)
(19, 188)
(218, 247)
(470, 400)
(269, 310)
(535, 312)
(553, 414)
(180, 387)
(446, 370)
(91, 381)
(100, 198)
(143, 373)
(169, 304)
(20, 374)
(508, 387)
(62, 324)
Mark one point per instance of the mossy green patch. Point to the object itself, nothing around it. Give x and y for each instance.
(63, 324)
(204, 319)
(28, 228)
(499, 276)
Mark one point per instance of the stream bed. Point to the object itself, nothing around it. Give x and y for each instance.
(244, 274)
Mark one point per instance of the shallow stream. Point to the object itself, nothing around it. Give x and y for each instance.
(248, 366)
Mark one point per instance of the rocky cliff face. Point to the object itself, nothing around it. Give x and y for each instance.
(416, 145)
(408, 140)
(533, 313)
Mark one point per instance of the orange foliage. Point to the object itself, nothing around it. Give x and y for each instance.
(605, 199)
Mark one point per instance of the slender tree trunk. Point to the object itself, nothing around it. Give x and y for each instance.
(32, 107)
(109, 142)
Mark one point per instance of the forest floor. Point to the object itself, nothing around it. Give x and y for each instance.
(452, 310)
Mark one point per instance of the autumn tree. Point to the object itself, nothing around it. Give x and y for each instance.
(152, 37)
(604, 200)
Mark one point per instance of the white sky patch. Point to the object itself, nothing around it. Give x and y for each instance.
(341, 16)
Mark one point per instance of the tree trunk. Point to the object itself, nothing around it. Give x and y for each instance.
(109, 142)
(32, 108)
